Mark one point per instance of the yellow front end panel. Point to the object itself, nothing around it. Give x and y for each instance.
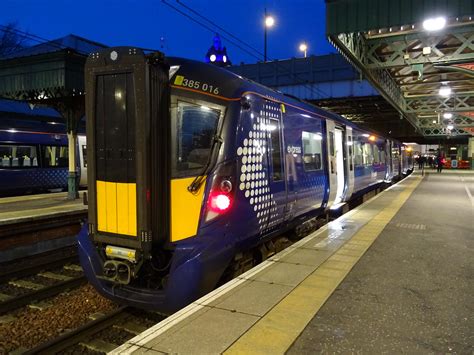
(117, 208)
(185, 209)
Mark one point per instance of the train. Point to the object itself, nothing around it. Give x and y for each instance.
(34, 157)
(197, 174)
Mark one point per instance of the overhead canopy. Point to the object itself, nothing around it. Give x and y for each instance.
(47, 73)
(387, 42)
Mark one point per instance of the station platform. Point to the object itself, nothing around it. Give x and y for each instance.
(34, 224)
(393, 275)
(33, 207)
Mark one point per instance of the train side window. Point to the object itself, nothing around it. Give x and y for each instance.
(358, 153)
(276, 149)
(367, 154)
(84, 155)
(375, 149)
(311, 151)
(349, 143)
(18, 156)
(55, 156)
(331, 144)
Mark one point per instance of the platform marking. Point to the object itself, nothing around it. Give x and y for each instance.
(279, 328)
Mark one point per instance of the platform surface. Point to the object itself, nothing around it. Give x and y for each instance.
(393, 275)
(32, 207)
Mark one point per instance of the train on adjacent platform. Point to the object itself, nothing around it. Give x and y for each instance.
(195, 173)
(34, 157)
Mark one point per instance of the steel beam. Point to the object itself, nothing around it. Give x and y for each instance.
(429, 104)
(399, 50)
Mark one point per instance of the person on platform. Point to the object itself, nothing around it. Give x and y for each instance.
(439, 163)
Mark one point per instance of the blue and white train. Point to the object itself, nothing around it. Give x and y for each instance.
(195, 173)
(34, 157)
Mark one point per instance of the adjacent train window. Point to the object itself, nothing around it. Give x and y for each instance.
(55, 156)
(194, 127)
(276, 149)
(311, 150)
(349, 144)
(84, 155)
(358, 157)
(331, 144)
(367, 154)
(18, 156)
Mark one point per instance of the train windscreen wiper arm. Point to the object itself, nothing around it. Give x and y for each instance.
(197, 182)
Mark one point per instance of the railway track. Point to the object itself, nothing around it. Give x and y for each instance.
(37, 280)
(101, 334)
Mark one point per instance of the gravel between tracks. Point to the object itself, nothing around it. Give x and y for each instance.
(68, 311)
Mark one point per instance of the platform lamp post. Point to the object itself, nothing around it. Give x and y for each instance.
(303, 48)
(269, 22)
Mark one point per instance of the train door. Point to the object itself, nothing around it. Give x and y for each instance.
(276, 205)
(349, 153)
(336, 163)
(388, 161)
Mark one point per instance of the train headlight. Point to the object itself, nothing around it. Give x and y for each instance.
(226, 186)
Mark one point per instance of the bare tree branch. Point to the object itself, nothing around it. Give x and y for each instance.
(11, 40)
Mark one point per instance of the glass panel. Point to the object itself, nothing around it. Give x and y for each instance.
(331, 144)
(311, 150)
(18, 156)
(276, 149)
(367, 154)
(358, 153)
(195, 127)
(84, 155)
(55, 156)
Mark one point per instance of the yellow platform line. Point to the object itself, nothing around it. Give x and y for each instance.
(278, 329)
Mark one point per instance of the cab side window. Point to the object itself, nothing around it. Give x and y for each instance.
(274, 128)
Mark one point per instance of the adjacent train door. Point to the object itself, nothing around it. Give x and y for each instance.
(337, 176)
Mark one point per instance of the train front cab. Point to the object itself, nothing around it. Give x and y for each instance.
(144, 206)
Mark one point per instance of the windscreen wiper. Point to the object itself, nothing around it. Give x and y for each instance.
(198, 181)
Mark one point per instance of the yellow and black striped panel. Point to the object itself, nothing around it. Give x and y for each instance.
(185, 209)
(117, 207)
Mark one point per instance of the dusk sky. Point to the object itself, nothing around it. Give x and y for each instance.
(143, 23)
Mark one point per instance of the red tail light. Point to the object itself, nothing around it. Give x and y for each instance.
(219, 202)
(221, 196)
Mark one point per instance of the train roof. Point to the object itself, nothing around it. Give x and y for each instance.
(232, 86)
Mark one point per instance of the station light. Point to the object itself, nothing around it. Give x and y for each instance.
(434, 121)
(448, 115)
(434, 24)
(269, 21)
(444, 91)
(450, 127)
(409, 149)
(365, 135)
(372, 138)
(303, 48)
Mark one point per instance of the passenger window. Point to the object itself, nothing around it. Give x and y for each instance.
(358, 153)
(276, 149)
(349, 143)
(18, 156)
(331, 144)
(376, 153)
(311, 151)
(84, 155)
(55, 156)
(367, 154)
